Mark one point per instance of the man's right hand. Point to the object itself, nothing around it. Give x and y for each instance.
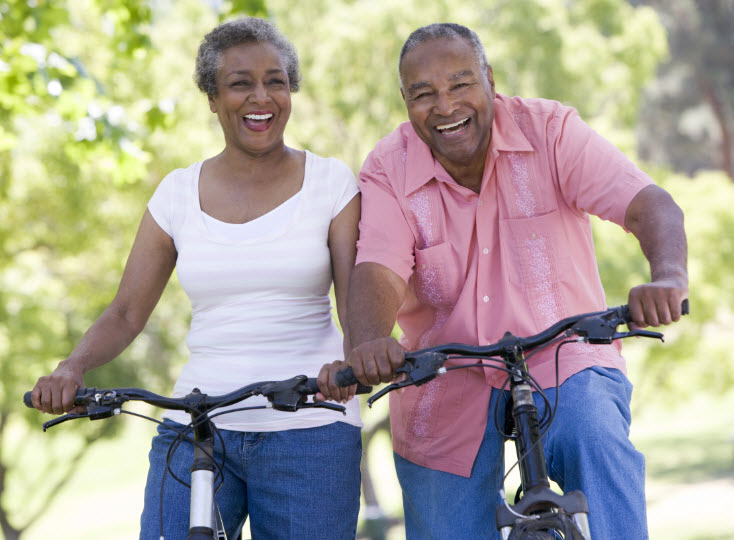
(55, 393)
(374, 362)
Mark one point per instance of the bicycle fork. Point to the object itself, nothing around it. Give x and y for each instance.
(537, 495)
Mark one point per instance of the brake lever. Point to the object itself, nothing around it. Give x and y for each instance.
(389, 388)
(324, 405)
(639, 333)
(418, 370)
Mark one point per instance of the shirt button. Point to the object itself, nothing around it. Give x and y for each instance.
(423, 265)
(485, 251)
(533, 235)
(479, 203)
(486, 299)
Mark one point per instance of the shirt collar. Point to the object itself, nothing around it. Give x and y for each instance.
(422, 167)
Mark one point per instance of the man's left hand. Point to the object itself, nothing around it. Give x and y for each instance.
(658, 302)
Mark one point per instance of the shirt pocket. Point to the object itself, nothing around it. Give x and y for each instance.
(534, 251)
(436, 276)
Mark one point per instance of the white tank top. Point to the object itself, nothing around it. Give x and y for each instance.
(259, 292)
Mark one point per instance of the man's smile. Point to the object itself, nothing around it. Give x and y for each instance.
(456, 127)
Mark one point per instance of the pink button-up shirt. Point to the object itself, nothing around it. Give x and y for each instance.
(516, 257)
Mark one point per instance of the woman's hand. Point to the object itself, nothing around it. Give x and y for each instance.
(55, 393)
(330, 391)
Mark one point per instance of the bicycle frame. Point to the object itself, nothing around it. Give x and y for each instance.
(537, 494)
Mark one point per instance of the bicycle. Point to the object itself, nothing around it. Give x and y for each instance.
(538, 512)
(206, 474)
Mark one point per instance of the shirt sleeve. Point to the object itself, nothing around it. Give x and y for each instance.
(384, 234)
(345, 187)
(160, 205)
(595, 177)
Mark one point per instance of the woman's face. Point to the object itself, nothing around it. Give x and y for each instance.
(253, 100)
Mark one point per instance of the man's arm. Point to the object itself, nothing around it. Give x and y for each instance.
(375, 295)
(657, 222)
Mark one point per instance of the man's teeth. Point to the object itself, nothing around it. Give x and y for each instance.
(259, 116)
(452, 126)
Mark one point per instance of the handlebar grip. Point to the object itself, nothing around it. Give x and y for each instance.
(81, 396)
(313, 387)
(346, 377)
(684, 310)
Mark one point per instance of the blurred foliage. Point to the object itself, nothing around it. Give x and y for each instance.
(688, 114)
(97, 104)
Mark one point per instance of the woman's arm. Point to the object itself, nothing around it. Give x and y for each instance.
(148, 269)
(343, 234)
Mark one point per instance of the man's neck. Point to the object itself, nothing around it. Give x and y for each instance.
(468, 175)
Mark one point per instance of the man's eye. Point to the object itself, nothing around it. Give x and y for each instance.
(241, 83)
(422, 95)
(276, 82)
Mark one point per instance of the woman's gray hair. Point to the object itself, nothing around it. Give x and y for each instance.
(444, 31)
(236, 32)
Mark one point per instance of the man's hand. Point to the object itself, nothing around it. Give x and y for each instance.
(55, 393)
(658, 302)
(375, 361)
(327, 384)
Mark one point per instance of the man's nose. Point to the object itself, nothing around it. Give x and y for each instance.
(444, 105)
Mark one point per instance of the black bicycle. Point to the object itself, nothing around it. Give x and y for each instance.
(206, 473)
(538, 513)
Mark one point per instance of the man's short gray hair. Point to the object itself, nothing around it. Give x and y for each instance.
(444, 31)
(236, 32)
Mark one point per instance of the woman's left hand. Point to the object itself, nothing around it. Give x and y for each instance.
(330, 391)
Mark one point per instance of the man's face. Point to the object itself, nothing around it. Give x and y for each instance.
(450, 100)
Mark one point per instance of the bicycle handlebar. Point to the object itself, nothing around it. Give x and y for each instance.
(597, 328)
(288, 395)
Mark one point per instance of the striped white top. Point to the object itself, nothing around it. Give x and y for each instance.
(258, 291)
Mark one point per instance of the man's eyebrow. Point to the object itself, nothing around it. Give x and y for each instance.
(461, 74)
(413, 88)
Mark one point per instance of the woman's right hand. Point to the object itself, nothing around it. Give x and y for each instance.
(55, 393)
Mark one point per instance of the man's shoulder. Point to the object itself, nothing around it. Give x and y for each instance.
(394, 142)
(535, 106)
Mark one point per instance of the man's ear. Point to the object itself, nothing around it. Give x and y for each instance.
(490, 79)
(402, 93)
(212, 105)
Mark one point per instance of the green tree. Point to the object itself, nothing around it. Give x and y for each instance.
(687, 121)
(90, 118)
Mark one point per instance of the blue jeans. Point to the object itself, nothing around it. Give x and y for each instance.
(587, 448)
(297, 483)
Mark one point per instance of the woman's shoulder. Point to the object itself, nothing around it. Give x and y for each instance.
(183, 174)
(329, 168)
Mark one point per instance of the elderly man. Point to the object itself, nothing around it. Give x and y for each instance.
(475, 221)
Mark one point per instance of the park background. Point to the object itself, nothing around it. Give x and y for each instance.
(97, 104)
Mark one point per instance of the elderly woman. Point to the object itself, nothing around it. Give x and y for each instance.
(257, 234)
